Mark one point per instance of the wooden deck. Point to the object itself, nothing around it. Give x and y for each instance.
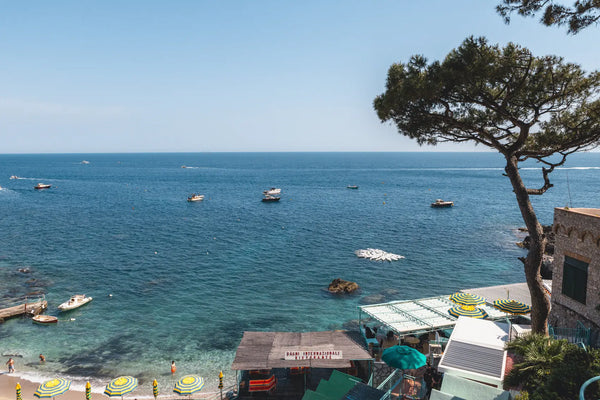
(33, 308)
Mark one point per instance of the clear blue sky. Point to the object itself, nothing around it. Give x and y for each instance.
(147, 76)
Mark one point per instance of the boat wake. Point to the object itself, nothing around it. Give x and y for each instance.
(377, 255)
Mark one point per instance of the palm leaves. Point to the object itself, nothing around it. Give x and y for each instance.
(549, 369)
(537, 356)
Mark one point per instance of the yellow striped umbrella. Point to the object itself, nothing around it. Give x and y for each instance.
(88, 391)
(121, 386)
(467, 299)
(155, 389)
(18, 387)
(467, 311)
(189, 385)
(52, 388)
(512, 306)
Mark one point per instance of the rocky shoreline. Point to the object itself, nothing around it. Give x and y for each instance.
(548, 260)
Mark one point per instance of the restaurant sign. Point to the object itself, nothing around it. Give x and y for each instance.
(314, 355)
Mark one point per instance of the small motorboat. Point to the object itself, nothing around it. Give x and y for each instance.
(439, 203)
(14, 177)
(75, 301)
(196, 197)
(85, 162)
(352, 187)
(268, 198)
(272, 191)
(42, 186)
(45, 319)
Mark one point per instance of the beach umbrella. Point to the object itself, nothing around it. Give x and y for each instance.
(512, 306)
(18, 387)
(403, 357)
(467, 299)
(88, 391)
(121, 386)
(52, 388)
(472, 312)
(155, 389)
(189, 385)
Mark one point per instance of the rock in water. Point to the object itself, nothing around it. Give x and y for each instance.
(340, 286)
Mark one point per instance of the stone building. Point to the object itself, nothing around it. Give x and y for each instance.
(576, 268)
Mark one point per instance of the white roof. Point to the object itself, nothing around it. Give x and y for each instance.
(476, 351)
(423, 315)
(480, 332)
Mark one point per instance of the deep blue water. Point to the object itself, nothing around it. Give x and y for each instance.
(188, 278)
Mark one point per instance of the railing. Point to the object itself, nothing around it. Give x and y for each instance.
(579, 334)
(390, 383)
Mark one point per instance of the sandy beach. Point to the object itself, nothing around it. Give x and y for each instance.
(8, 383)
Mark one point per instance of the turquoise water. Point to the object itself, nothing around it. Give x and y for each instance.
(188, 278)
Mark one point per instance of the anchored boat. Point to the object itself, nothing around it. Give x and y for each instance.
(272, 191)
(196, 197)
(268, 198)
(75, 301)
(42, 186)
(45, 319)
(439, 203)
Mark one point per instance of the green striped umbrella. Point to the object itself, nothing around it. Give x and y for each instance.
(467, 299)
(512, 306)
(121, 386)
(52, 388)
(18, 387)
(189, 385)
(155, 389)
(472, 312)
(88, 391)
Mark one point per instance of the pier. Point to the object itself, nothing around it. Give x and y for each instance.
(21, 306)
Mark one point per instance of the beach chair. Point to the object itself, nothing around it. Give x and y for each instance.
(372, 343)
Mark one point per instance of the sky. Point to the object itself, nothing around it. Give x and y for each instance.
(210, 76)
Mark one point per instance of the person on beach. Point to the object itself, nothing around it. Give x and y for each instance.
(42, 358)
(173, 368)
(11, 365)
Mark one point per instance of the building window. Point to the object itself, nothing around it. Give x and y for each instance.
(574, 284)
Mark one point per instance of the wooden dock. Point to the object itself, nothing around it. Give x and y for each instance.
(31, 307)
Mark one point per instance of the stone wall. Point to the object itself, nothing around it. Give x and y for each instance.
(578, 236)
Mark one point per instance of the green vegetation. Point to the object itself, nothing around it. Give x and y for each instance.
(523, 106)
(580, 15)
(548, 369)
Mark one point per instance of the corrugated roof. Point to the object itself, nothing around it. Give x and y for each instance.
(410, 316)
(473, 358)
(266, 350)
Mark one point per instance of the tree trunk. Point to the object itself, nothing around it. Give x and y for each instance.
(540, 304)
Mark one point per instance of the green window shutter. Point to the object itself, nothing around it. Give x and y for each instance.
(575, 279)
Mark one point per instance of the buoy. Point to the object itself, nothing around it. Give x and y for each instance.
(110, 295)
(156, 252)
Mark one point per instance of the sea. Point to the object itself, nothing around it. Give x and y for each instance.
(174, 280)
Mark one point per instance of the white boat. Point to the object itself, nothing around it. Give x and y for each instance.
(42, 186)
(268, 198)
(196, 197)
(441, 203)
(14, 177)
(272, 191)
(77, 300)
(85, 162)
(45, 319)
